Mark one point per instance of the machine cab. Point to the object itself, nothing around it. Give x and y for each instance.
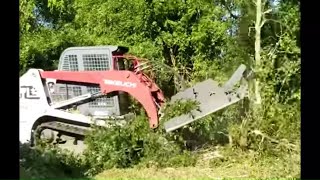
(91, 58)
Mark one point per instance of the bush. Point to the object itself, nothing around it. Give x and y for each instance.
(50, 162)
(129, 145)
(273, 129)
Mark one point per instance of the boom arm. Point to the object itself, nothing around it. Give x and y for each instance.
(137, 85)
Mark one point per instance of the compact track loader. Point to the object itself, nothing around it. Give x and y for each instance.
(92, 86)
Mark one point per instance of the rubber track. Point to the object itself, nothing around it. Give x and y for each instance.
(64, 128)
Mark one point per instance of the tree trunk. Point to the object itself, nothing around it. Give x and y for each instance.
(257, 48)
(178, 80)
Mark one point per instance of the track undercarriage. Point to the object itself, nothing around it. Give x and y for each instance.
(62, 135)
(70, 136)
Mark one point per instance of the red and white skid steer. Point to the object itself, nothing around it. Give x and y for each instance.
(92, 85)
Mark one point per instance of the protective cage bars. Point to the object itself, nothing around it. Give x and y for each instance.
(87, 59)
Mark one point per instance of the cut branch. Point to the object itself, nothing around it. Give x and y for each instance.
(264, 136)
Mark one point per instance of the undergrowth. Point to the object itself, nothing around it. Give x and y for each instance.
(50, 162)
(253, 140)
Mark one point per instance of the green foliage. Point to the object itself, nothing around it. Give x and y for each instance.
(135, 143)
(178, 108)
(270, 132)
(126, 146)
(26, 17)
(49, 162)
(186, 42)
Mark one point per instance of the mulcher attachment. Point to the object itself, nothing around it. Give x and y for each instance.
(211, 98)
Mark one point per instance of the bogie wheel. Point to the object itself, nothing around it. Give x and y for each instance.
(44, 136)
(47, 135)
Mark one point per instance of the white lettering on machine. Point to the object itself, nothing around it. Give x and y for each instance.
(120, 83)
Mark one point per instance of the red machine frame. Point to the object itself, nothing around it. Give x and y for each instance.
(135, 82)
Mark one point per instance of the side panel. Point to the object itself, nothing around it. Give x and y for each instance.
(33, 102)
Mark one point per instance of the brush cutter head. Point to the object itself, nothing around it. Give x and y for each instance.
(211, 98)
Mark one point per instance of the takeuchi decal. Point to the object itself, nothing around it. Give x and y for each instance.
(120, 83)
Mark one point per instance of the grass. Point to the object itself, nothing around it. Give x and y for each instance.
(214, 163)
(221, 163)
(236, 165)
(228, 172)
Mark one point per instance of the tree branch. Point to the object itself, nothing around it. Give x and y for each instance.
(267, 11)
(263, 22)
(264, 19)
(281, 24)
(273, 50)
(224, 3)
